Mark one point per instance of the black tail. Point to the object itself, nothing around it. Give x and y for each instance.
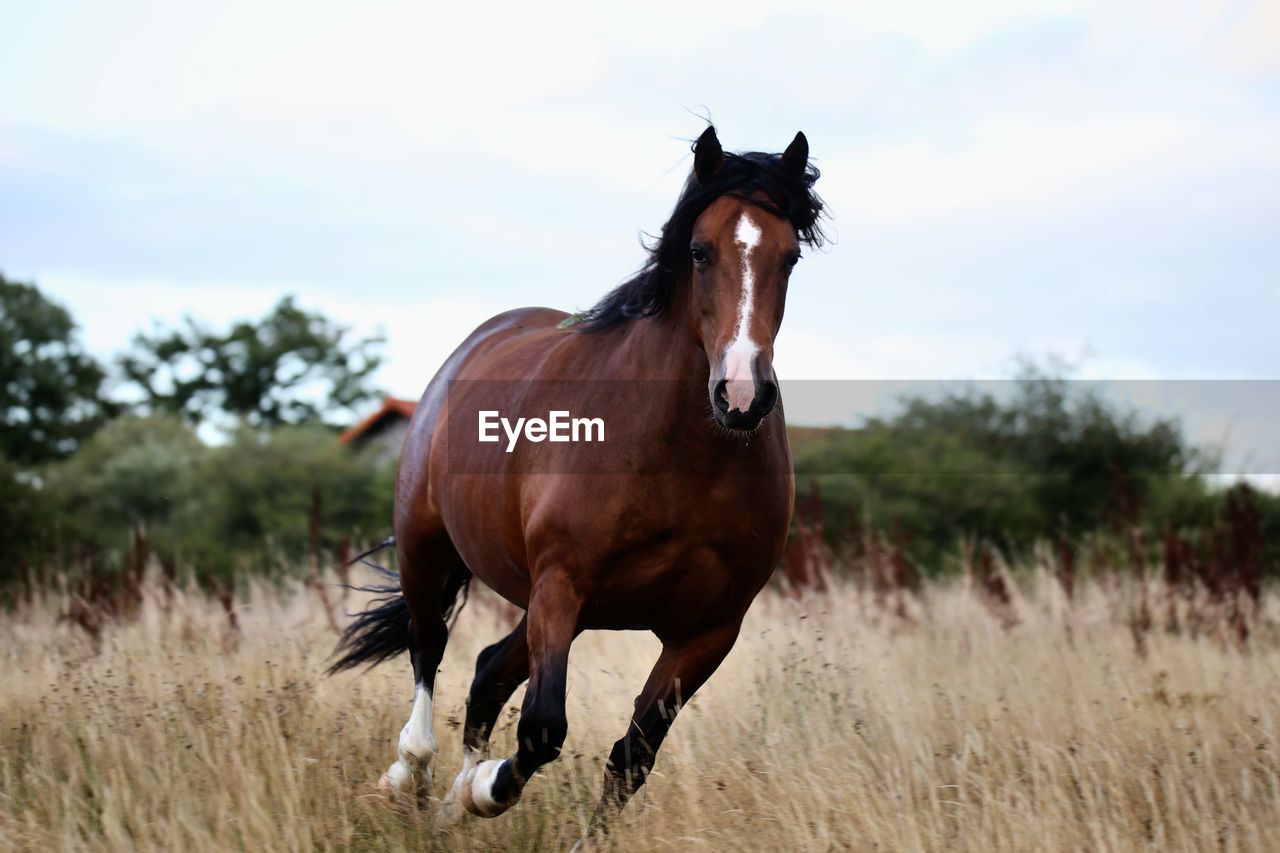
(384, 629)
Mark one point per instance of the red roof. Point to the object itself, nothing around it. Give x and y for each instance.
(391, 407)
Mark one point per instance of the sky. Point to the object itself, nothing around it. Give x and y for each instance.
(1094, 181)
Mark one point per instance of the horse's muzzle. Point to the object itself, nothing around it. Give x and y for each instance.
(766, 397)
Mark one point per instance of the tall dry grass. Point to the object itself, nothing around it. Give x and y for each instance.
(835, 724)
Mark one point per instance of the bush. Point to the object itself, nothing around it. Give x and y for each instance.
(1054, 461)
(263, 502)
(24, 516)
(275, 496)
(135, 473)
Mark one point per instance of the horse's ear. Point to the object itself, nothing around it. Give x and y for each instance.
(708, 156)
(796, 157)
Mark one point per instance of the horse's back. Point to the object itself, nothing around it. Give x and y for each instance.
(509, 346)
(469, 360)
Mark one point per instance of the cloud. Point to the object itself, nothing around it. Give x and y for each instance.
(1005, 177)
(1010, 168)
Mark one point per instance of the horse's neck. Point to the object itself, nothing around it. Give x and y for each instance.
(662, 354)
(661, 348)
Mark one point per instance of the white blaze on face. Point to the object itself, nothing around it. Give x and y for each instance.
(740, 355)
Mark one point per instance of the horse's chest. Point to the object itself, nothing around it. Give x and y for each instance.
(739, 520)
(677, 554)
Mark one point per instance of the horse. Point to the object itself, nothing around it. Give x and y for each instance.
(677, 537)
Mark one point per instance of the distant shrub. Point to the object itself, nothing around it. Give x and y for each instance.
(265, 502)
(1051, 462)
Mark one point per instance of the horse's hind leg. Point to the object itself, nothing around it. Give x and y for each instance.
(431, 574)
(500, 669)
(681, 669)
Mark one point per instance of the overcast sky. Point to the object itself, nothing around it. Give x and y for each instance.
(1095, 180)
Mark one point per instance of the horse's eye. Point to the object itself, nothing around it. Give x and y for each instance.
(792, 260)
(699, 255)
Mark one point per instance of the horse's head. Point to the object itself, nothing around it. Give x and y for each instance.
(724, 258)
(741, 251)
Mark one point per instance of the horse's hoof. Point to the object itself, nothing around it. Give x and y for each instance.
(451, 810)
(398, 782)
(447, 816)
(490, 788)
(393, 782)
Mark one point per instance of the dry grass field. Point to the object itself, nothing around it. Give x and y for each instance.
(834, 725)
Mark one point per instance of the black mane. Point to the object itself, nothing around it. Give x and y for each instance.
(748, 176)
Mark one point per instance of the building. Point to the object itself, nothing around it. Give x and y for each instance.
(383, 431)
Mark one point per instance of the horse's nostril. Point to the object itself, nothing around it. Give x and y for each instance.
(721, 396)
(766, 394)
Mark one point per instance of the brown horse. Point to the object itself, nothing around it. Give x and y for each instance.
(675, 531)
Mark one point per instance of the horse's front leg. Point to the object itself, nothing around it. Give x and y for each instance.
(494, 786)
(500, 669)
(681, 669)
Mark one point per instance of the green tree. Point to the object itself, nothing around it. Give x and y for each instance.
(50, 389)
(291, 367)
(136, 472)
(25, 518)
